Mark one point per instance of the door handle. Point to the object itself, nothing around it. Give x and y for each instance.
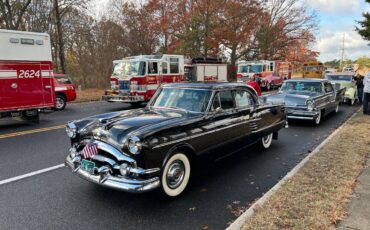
(47, 86)
(14, 85)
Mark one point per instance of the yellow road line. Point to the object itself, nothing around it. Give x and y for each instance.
(31, 131)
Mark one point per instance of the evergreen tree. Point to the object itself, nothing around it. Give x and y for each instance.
(364, 31)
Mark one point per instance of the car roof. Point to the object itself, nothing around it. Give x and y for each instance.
(306, 80)
(208, 85)
(342, 73)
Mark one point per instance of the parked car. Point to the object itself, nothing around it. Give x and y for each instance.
(156, 146)
(308, 99)
(345, 80)
(64, 89)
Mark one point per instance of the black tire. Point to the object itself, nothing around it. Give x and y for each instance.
(175, 175)
(61, 102)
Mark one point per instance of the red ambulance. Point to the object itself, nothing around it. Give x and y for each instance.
(26, 74)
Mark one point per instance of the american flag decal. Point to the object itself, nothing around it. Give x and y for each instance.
(89, 150)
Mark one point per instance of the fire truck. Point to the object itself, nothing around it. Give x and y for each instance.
(135, 79)
(26, 83)
(268, 73)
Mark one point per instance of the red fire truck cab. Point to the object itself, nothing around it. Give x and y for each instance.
(26, 83)
(136, 79)
(269, 74)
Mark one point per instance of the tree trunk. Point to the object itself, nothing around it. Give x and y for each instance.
(60, 36)
(233, 59)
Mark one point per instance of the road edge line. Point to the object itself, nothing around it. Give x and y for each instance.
(34, 173)
(238, 223)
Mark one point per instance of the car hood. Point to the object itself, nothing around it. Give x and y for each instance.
(290, 99)
(116, 127)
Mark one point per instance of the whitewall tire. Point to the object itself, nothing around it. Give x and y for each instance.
(337, 108)
(266, 141)
(175, 175)
(318, 118)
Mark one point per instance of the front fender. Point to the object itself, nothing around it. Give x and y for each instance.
(350, 93)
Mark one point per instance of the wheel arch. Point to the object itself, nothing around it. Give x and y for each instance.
(185, 148)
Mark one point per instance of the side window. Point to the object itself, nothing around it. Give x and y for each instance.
(243, 98)
(216, 102)
(153, 68)
(174, 65)
(226, 99)
(271, 66)
(164, 67)
(328, 87)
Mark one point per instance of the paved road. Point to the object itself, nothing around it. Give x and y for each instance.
(60, 200)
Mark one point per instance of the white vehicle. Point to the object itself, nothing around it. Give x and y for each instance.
(206, 69)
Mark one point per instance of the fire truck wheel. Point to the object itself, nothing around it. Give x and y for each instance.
(268, 86)
(61, 102)
(135, 104)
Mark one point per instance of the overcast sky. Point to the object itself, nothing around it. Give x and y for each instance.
(338, 17)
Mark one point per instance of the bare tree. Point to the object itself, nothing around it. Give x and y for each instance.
(284, 21)
(12, 13)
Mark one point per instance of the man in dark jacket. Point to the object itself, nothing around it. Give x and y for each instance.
(359, 79)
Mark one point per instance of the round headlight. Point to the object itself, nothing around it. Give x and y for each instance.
(71, 130)
(134, 145)
(310, 105)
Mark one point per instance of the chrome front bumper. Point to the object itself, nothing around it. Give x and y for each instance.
(103, 176)
(302, 115)
(121, 98)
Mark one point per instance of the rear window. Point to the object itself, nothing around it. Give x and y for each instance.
(63, 80)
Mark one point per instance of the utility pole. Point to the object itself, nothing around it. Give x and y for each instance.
(341, 60)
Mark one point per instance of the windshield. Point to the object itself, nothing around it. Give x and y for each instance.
(312, 68)
(296, 86)
(63, 80)
(129, 68)
(250, 69)
(193, 100)
(339, 78)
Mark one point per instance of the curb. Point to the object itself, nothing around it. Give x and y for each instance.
(238, 223)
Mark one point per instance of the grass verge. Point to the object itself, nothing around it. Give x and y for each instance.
(89, 95)
(317, 196)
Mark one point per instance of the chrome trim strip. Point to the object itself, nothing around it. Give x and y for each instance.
(201, 134)
(268, 127)
(300, 118)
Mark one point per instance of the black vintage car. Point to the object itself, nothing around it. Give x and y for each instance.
(143, 149)
(308, 99)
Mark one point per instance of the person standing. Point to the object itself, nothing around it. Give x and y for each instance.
(359, 79)
(366, 97)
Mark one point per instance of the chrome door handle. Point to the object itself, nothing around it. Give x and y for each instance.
(47, 86)
(14, 85)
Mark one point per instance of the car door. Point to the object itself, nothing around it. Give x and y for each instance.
(220, 129)
(330, 97)
(246, 106)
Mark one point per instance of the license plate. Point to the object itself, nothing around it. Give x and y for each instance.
(87, 165)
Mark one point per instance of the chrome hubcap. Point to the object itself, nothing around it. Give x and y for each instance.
(175, 174)
(59, 103)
